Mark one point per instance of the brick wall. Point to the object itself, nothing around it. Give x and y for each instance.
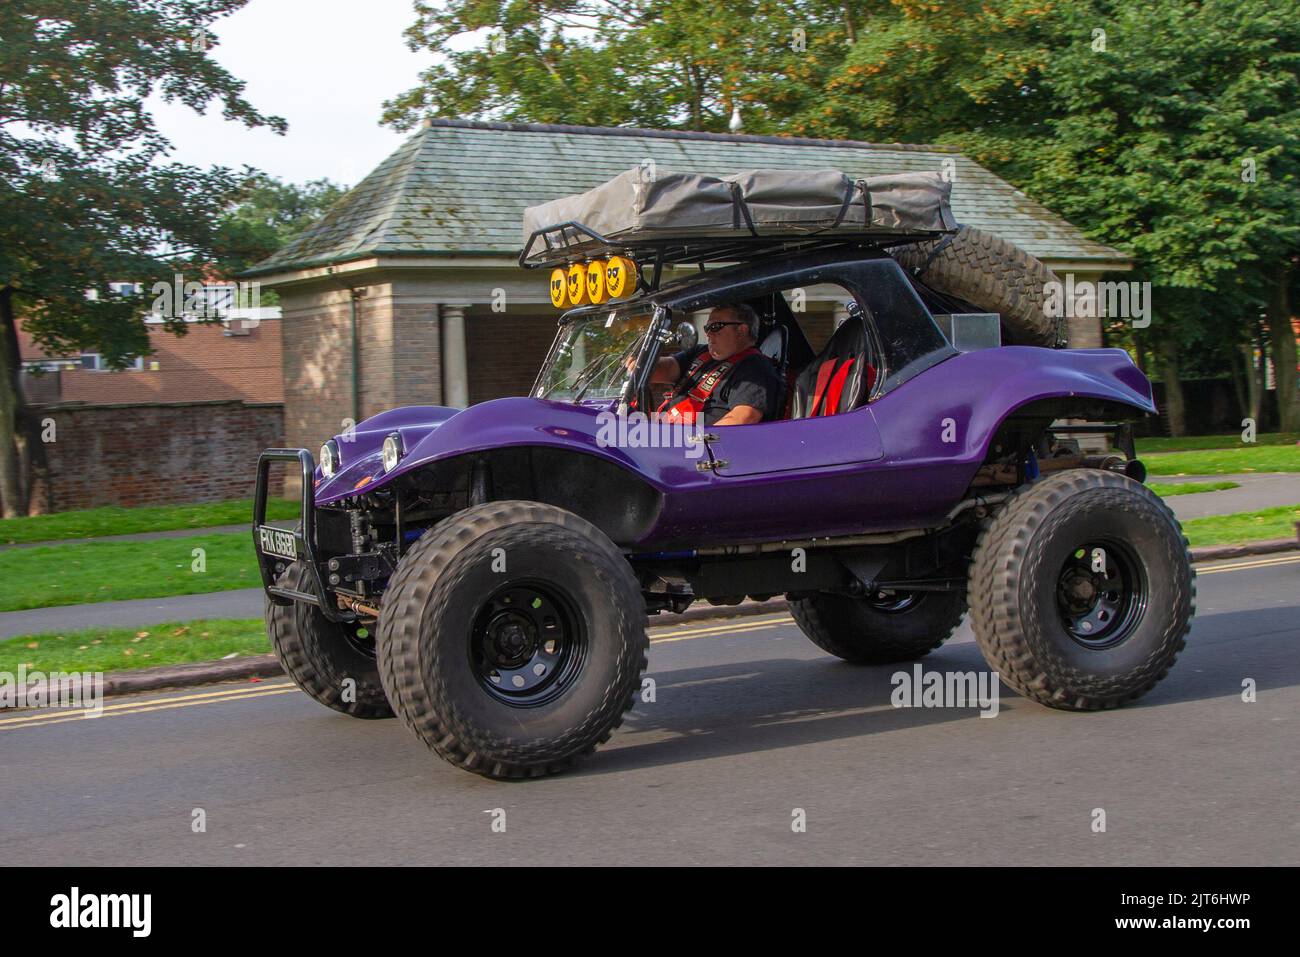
(158, 454)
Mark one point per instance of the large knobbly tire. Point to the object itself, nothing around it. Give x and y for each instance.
(880, 630)
(491, 594)
(993, 274)
(321, 655)
(1082, 590)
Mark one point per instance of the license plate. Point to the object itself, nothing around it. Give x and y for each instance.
(277, 542)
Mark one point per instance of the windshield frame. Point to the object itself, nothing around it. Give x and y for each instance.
(659, 321)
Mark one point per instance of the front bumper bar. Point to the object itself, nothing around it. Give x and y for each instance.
(304, 537)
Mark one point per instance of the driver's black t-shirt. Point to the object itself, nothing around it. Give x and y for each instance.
(752, 382)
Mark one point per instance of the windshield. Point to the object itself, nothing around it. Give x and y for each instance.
(589, 359)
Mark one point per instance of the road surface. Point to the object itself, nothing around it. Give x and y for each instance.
(751, 727)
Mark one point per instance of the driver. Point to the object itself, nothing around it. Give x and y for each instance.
(726, 382)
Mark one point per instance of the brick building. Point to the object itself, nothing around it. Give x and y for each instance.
(408, 292)
(235, 360)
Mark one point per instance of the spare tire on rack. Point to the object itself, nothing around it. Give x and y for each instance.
(991, 274)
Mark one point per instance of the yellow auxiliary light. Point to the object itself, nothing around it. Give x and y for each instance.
(577, 284)
(596, 281)
(558, 283)
(620, 276)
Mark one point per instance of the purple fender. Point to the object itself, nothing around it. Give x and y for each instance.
(433, 433)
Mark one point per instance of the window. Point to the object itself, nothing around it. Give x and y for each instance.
(94, 362)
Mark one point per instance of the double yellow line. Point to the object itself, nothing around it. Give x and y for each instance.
(157, 704)
(1264, 561)
(265, 688)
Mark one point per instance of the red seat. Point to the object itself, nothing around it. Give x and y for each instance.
(841, 377)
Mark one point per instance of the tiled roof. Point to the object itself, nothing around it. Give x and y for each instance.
(460, 186)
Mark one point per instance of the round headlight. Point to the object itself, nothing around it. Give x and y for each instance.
(392, 451)
(329, 458)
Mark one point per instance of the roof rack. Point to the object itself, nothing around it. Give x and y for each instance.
(571, 242)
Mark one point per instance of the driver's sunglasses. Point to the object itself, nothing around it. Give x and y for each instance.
(713, 327)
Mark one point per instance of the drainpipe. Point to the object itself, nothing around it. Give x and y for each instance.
(353, 295)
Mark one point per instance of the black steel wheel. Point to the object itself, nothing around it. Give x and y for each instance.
(527, 643)
(1101, 593)
(1082, 590)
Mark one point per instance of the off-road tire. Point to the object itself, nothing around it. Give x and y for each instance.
(319, 656)
(429, 620)
(992, 274)
(1015, 613)
(862, 633)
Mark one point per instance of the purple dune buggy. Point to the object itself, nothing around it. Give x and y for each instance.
(486, 573)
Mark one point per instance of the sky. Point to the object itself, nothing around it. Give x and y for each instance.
(325, 66)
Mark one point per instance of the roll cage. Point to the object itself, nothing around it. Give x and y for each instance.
(904, 336)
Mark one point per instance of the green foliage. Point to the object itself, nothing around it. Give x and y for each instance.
(266, 216)
(86, 197)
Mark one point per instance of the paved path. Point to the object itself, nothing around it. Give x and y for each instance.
(1258, 490)
(750, 721)
(136, 613)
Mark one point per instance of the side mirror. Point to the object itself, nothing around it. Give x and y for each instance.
(687, 337)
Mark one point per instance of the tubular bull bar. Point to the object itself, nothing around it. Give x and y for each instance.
(304, 537)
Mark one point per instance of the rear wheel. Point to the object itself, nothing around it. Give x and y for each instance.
(334, 662)
(882, 628)
(1082, 590)
(512, 639)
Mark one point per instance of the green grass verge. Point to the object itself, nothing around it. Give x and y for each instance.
(118, 649)
(1187, 443)
(1164, 490)
(1243, 526)
(49, 575)
(1250, 458)
(97, 522)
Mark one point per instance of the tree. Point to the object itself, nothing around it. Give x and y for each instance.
(654, 63)
(266, 214)
(85, 196)
(1168, 129)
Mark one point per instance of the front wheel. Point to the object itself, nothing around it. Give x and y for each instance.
(512, 639)
(1082, 590)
